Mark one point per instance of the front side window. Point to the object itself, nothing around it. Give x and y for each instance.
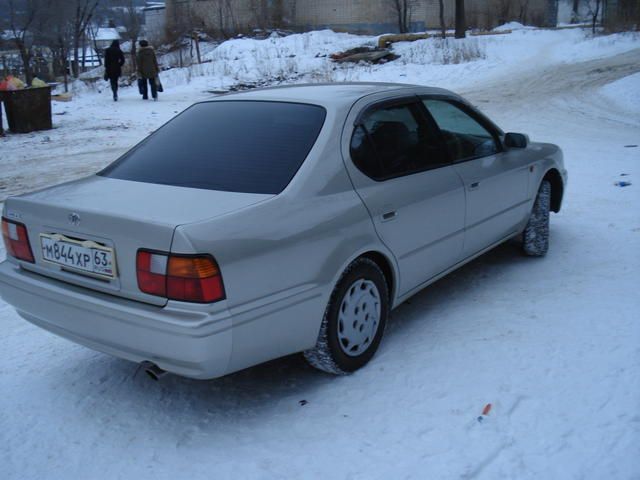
(464, 136)
(395, 140)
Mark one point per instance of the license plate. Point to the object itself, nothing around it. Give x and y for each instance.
(84, 256)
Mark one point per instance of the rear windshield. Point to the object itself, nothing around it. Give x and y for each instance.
(233, 146)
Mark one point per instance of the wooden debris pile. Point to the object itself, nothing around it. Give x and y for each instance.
(365, 54)
(385, 40)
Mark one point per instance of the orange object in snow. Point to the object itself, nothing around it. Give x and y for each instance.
(487, 409)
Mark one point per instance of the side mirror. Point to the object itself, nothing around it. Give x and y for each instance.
(516, 140)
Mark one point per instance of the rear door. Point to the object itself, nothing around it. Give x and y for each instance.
(496, 181)
(401, 171)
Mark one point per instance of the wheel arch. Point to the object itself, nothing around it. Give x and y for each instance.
(386, 266)
(557, 188)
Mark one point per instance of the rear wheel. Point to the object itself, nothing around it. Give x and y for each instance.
(354, 320)
(535, 238)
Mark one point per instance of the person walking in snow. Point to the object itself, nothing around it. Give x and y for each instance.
(113, 62)
(147, 69)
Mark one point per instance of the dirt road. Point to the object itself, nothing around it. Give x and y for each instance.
(566, 89)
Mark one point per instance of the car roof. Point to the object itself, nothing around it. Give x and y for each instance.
(329, 94)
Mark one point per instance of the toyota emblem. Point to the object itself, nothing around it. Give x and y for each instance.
(74, 219)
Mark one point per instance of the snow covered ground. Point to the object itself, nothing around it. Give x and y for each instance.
(625, 93)
(552, 344)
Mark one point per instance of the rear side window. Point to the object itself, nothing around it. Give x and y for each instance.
(233, 146)
(396, 140)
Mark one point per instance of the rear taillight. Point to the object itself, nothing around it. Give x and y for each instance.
(16, 240)
(187, 278)
(151, 269)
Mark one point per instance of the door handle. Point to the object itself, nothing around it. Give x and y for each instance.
(474, 185)
(389, 216)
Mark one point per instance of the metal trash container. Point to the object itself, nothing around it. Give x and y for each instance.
(28, 109)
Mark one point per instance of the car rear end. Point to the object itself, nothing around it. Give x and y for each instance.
(104, 274)
(93, 260)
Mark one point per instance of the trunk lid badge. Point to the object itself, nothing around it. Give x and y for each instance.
(74, 219)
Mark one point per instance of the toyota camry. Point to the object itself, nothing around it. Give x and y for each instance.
(275, 221)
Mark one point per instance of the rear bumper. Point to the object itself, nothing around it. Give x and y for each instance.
(187, 342)
(197, 341)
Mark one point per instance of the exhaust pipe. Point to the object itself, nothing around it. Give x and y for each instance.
(154, 371)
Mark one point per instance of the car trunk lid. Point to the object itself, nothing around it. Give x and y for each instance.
(120, 215)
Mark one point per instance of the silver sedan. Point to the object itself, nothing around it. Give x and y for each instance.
(276, 221)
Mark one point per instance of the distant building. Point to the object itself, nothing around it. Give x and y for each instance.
(155, 22)
(355, 16)
(103, 37)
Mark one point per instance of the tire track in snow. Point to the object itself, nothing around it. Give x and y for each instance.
(572, 87)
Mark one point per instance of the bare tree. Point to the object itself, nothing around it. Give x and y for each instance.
(221, 17)
(593, 7)
(230, 13)
(195, 42)
(524, 10)
(277, 12)
(550, 16)
(185, 30)
(93, 29)
(403, 10)
(575, 16)
(132, 21)
(269, 13)
(83, 12)
(59, 37)
(22, 22)
(443, 27)
(461, 25)
(503, 8)
(260, 9)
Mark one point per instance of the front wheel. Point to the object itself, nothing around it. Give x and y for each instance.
(354, 320)
(535, 238)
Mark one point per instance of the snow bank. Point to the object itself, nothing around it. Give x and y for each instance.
(290, 58)
(448, 63)
(440, 51)
(510, 26)
(625, 93)
(582, 46)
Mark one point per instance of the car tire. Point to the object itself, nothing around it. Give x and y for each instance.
(535, 238)
(354, 320)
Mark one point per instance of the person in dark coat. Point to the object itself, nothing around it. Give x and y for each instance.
(147, 69)
(113, 62)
